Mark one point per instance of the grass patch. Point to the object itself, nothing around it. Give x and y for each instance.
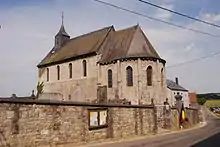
(212, 103)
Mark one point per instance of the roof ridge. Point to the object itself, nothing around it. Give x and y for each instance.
(135, 30)
(131, 27)
(104, 39)
(151, 48)
(109, 27)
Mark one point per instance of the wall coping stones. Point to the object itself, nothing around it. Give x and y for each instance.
(66, 103)
(185, 108)
(192, 108)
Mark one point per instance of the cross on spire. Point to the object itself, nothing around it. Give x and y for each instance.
(62, 29)
(62, 18)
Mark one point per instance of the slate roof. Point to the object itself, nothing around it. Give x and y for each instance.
(62, 31)
(80, 45)
(117, 44)
(111, 44)
(173, 86)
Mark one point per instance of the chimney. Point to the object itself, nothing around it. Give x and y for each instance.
(177, 81)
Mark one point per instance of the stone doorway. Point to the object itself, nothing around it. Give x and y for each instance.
(102, 94)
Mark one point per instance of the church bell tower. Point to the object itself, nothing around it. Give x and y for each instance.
(61, 37)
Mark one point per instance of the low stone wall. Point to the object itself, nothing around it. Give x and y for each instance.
(193, 115)
(169, 118)
(174, 119)
(35, 123)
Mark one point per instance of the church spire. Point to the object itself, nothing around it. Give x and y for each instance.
(62, 18)
(62, 30)
(61, 37)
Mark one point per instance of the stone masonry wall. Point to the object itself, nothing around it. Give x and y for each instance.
(139, 93)
(30, 124)
(36, 123)
(193, 115)
(79, 88)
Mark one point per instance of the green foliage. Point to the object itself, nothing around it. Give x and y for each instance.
(211, 99)
(209, 96)
(213, 103)
(201, 101)
(40, 88)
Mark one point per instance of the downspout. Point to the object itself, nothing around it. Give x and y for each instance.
(119, 90)
(139, 88)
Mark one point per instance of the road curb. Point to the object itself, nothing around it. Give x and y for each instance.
(198, 126)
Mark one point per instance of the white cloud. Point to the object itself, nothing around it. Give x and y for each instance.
(162, 14)
(27, 35)
(211, 17)
(189, 47)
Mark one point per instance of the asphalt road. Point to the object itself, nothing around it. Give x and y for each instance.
(208, 136)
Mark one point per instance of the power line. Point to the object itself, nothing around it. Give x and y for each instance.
(181, 14)
(155, 19)
(169, 23)
(194, 60)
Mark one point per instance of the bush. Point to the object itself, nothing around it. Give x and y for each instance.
(40, 88)
(201, 101)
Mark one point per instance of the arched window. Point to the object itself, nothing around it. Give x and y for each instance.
(48, 74)
(161, 76)
(70, 71)
(129, 72)
(58, 72)
(149, 75)
(109, 78)
(84, 68)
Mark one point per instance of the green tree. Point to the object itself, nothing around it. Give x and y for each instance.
(40, 88)
(201, 101)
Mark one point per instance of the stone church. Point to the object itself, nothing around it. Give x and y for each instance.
(103, 65)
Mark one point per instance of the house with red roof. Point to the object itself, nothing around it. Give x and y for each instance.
(193, 100)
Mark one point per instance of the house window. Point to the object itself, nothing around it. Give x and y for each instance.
(149, 75)
(129, 72)
(84, 68)
(48, 74)
(58, 72)
(70, 70)
(98, 118)
(161, 77)
(109, 78)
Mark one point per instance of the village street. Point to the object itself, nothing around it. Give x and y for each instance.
(200, 137)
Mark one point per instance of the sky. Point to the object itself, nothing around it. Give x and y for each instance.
(28, 28)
